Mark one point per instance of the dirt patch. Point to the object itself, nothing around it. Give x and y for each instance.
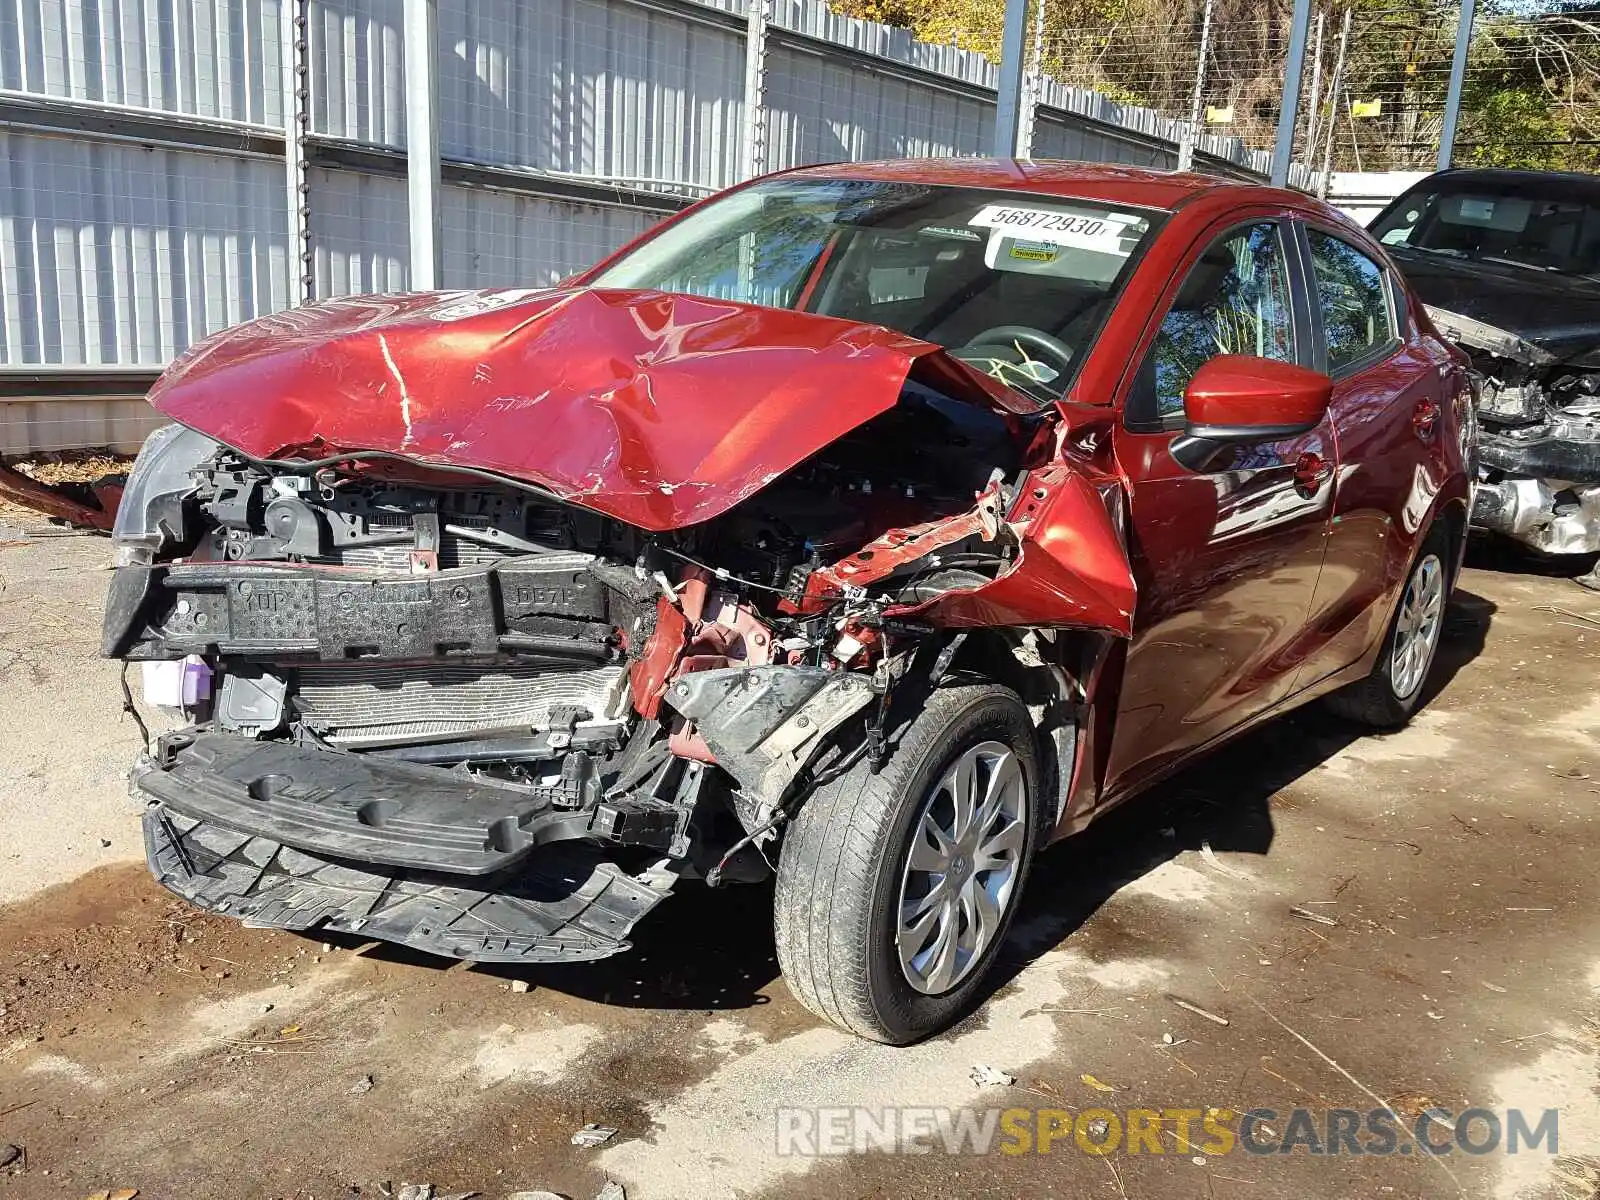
(73, 466)
(111, 942)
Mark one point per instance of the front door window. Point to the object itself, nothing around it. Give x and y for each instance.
(1235, 300)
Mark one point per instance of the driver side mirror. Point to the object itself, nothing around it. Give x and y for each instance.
(1237, 399)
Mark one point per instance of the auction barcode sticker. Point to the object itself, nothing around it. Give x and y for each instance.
(1102, 233)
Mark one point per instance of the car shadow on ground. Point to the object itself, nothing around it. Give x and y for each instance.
(713, 949)
(1501, 555)
(1221, 801)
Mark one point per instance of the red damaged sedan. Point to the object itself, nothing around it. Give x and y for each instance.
(872, 525)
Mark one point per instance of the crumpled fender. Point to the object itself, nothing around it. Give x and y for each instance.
(1072, 569)
(657, 409)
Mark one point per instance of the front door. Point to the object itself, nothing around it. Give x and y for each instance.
(1226, 560)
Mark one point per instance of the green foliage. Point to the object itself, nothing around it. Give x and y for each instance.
(1532, 96)
(1513, 127)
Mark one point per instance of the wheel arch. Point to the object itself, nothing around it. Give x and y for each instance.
(1046, 668)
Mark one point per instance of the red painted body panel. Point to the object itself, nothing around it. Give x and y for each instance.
(1226, 564)
(656, 409)
(1254, 595)
(1393, 483)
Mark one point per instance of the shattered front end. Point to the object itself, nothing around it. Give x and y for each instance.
(1538, 442)
(500, 716)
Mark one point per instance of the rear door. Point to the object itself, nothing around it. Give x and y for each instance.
(1226, 561)
(1389, 390)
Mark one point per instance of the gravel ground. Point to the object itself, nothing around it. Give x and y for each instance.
(144, 1045)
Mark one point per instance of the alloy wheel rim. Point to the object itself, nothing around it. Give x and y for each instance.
(962, 867)
(1416, 633)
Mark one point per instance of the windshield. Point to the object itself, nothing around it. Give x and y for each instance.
(1510, 225)
(1015, 284)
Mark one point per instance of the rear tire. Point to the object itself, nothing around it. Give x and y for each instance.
(1385, 699)
(859, 888)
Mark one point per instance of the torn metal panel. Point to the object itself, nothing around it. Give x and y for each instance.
(1546, 518)
(91, 507)
(764, 724)
(1479, 335)
(1073, 569)
(897, 548)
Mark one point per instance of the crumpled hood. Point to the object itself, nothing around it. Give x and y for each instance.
(658, 409)
(1559, 314)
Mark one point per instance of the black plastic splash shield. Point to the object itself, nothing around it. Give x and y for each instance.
(356, 807)
(565, 904)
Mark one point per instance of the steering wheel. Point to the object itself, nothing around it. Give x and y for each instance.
(1010, 336)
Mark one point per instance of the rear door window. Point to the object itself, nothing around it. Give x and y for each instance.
(1358, 322)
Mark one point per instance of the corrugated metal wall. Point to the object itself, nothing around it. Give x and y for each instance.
(113, 254)
(494, 238)
(120, 249)
(592, 87)
(491, 238)
(204, 58)
(824, 110)
(358, 71)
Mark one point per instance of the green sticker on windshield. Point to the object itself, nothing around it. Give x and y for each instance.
(1042, 252)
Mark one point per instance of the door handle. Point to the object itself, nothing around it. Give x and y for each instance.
(1311, 471)
(1425, 418)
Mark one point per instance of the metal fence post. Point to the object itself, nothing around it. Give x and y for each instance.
(421, 38)
(296, 128)
(1033, 85)
(1008, 99)
(753, 161)
(1458, 73)
(1191, 133)
(1314, 106)
(1333, 106)
(1289, 111)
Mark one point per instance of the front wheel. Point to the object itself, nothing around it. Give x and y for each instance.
(1387, 698)
(896, 889)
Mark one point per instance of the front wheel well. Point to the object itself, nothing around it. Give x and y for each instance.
(1046, 669)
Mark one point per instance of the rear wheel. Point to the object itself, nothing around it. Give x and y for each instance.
(896, 889)
(1387, 698)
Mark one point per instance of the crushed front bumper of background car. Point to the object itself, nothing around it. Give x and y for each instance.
(1538, 440)
(1543, 488)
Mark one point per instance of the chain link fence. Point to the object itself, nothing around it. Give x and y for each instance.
(1530, 96)
(1217, 64)
(1375, 85)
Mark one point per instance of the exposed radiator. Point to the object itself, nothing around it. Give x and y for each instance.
(357, 703)
(454, 550)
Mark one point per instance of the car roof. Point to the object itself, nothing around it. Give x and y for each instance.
(1571, 182)
(1137, 186)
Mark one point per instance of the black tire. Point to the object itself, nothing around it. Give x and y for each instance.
(1377, 701)
(837, 903)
